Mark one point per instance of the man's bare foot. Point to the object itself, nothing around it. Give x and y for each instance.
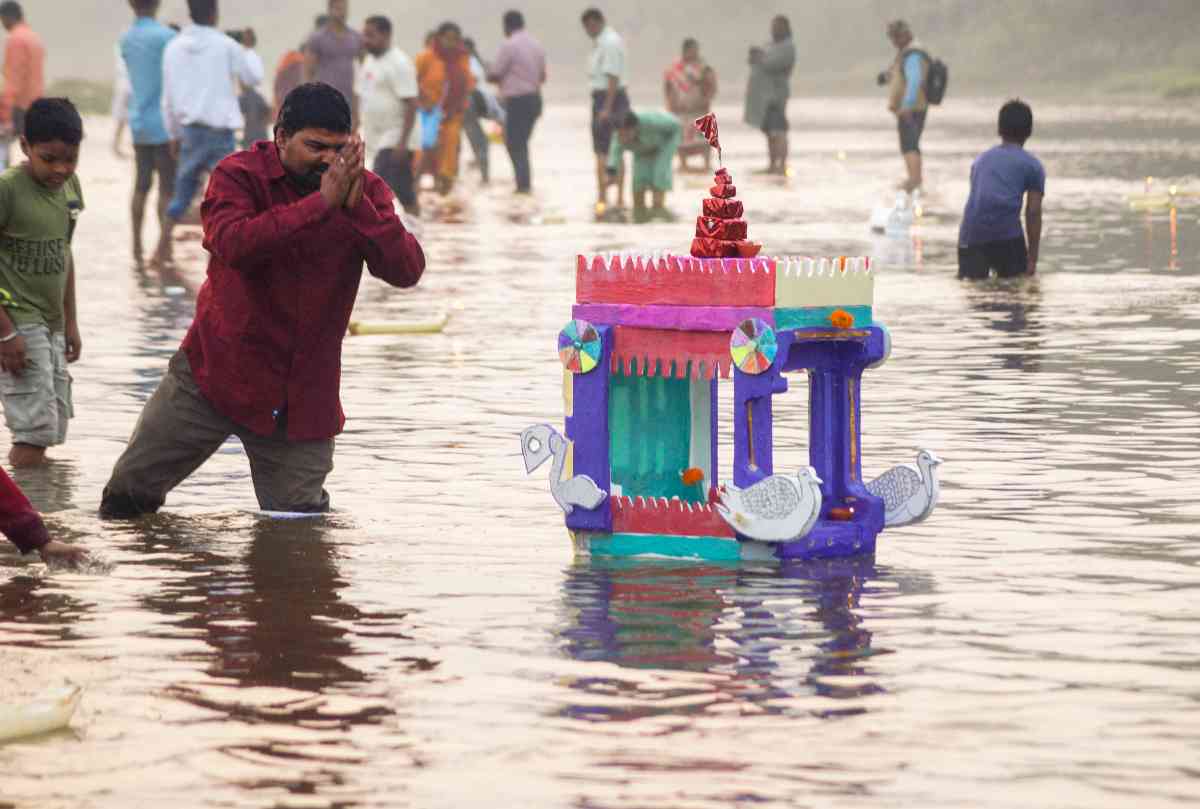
(162, 259)
(62, 554)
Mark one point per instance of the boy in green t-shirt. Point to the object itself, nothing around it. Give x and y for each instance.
(39, 332)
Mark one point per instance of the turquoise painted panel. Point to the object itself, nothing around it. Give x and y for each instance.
(713, 549)
(650, 429)
(818, 316)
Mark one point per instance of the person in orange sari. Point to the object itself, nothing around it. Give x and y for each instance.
(445, 81)
(431, 82)
(690, 85)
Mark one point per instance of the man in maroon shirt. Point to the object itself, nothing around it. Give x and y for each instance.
(288, 226)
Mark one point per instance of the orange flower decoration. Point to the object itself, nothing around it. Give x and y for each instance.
(841, 319)
(692, 476)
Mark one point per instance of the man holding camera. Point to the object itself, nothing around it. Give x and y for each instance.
(906, 98)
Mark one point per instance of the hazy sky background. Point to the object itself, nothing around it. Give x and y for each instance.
(1007, 46)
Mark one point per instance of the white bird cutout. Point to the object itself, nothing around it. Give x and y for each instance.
(542, 442)
(776, 509)
(909, 493)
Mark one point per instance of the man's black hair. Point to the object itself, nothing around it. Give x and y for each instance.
(1016, 121)
(513, 21)
(11, 10)
(145, 6)
(320, 22)
(592, 15)
(381, 24)
(629, 121)
(52, 119)
(203, 12)
(690, 43)
(448, 27)
(315, 105)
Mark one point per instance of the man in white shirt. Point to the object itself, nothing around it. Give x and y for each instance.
(200, 106)
(386, 86)
(607, 74)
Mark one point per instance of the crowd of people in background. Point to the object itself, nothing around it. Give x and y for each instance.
(416, 109)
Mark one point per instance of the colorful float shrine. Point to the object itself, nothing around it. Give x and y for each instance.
(652, 339)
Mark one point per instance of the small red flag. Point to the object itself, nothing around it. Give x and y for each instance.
(707, 125)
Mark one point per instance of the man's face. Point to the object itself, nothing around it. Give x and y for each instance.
(8, 22)
(450, 40)
(593, 28)
(779, 30)
(310, 152)
(51, 163)
(375, 41)
(339, 10)
(900, 38)
(144, 7)
(691, 53)
(627, 135)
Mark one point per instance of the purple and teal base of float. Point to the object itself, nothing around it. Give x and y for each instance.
(826, 541)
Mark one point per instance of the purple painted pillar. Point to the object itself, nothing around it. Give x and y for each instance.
(753, 428)
(827, 451)
(713, 432)
(588, 428)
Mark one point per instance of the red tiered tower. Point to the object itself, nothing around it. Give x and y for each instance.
(721, 230)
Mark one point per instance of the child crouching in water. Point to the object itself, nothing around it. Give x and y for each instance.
(24, 527)
(1002, 178)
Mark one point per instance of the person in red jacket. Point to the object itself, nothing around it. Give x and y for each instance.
(288, 226)
(24, 527)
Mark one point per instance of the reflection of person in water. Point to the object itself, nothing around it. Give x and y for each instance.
(274, 617)
(716, 620)
(1013, 313)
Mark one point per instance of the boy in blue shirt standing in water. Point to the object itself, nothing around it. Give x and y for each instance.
(1003, 178)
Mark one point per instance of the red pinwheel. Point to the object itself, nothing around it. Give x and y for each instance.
(707, 125)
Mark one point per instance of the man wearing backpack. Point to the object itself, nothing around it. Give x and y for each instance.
(907, 97)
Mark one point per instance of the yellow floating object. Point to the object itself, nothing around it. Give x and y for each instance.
(1162, 199)
(51, 712)
(358, 329)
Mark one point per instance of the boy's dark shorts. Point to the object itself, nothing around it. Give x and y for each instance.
(398, 174)
(1009, 259)
(602, 131)
(910, 132)
(151, 158)
(775, 120)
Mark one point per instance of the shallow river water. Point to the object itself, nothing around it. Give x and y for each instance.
(434, 643)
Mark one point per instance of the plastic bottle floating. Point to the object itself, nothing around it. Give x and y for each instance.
(898, 219)
(658, 342)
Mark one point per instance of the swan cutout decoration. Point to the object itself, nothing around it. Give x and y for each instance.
(776, 509)
(542, 442)
(909, 493)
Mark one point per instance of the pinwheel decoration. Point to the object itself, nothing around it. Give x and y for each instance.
(579, 347)
(753, 346)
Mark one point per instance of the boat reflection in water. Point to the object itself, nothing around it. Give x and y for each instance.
(758, 637)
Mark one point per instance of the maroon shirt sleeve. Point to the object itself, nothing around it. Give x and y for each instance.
(236, 231)
(18, 521)
(392, 253)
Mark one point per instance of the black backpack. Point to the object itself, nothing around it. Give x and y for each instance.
(936, 78)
